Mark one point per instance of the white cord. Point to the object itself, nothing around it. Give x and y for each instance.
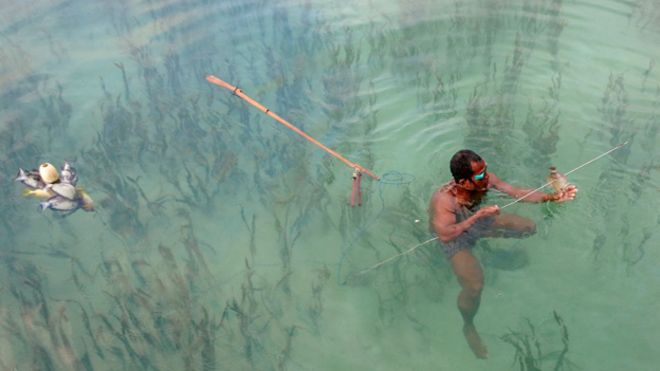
(507, 205)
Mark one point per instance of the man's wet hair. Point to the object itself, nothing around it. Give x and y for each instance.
(461, 164)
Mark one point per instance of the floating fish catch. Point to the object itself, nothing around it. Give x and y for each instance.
(57, 189)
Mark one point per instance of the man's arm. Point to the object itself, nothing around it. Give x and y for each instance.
(444, 219)
(537, 196)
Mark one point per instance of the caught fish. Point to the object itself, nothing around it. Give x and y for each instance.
(557, 180)
(58, 190)
(38, 193)
(68, 174)
(30, 179)
(59, 203)
(65, 190)
(86, 202)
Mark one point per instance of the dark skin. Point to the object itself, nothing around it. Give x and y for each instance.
(468, 271)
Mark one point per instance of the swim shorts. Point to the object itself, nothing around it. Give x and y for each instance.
(469, 238)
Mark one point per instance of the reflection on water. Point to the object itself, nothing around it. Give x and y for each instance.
(222, 241)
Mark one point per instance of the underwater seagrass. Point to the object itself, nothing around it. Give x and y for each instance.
(528, 353)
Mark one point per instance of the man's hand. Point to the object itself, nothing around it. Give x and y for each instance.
(568, 194)
(488, 211)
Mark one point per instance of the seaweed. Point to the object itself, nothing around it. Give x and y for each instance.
(528, 345)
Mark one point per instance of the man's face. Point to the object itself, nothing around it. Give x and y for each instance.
(479, 179)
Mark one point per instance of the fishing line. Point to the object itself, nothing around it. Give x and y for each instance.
(389, 178)
(568, 172)
(392, 177)
(410, 250)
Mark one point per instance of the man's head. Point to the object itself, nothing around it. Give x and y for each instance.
(468, 167)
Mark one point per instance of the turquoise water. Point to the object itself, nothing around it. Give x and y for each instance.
(221, 240)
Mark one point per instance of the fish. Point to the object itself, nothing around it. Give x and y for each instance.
(30, 179)
(38, 193)
(557, 180)
(59, 203)
(86, 202)
(65, 190)
(68, 174)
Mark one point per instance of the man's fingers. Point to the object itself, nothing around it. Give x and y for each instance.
(568, 194)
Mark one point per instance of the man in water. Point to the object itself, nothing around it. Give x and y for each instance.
(458, 222)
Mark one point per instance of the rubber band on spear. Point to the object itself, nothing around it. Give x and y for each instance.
(356, 193)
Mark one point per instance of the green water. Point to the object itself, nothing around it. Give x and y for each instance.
(221, 240)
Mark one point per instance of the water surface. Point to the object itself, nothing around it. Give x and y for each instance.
(222, 240)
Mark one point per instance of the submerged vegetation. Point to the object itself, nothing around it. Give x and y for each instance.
(531, 352)
(219, 237)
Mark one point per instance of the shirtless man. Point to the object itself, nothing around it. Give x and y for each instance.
(458, 222)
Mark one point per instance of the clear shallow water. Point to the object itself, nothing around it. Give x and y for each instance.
(223, 241)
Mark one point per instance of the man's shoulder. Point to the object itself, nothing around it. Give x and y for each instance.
(443, 196)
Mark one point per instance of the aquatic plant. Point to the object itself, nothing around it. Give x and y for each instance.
(528, 344)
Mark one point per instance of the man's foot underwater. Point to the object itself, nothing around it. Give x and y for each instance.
(474, 341)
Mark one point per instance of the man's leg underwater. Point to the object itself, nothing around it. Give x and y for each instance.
(511, 226)
(471, 278)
